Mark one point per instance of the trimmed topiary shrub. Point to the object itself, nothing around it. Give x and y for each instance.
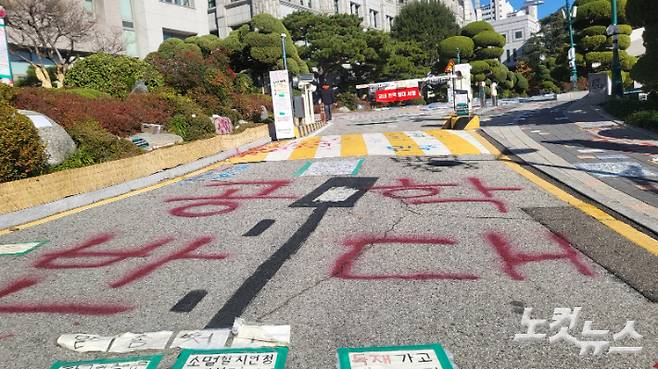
(593, 43)
(21, 152)
(624, 41)
(449, 46)
(489, 53)
(489, 38)
(480, 66)
(626, 29)
(472, 29)
(112, 74)
(593, 31)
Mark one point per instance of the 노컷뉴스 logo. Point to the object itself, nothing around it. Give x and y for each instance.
(594, 341)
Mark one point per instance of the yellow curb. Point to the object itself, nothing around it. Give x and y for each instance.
(114, 199)
(625, 230)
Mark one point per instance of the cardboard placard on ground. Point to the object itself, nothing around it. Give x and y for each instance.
(128, 342)
(201, 339)
(82, 342)
(246, 358)
(142, 362)
(394, 357)
(19, 248)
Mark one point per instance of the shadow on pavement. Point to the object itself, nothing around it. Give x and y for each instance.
(636, 179)
(603, 145)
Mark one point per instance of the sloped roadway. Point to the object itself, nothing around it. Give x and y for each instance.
(399, 250)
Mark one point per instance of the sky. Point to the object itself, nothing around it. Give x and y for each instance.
(547, 8)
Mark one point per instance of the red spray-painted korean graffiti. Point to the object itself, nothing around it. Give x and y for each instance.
(510, 258)
(87, 256)
(230, 199)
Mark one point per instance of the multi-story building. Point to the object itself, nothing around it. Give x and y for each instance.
(143, 25)
(227, 15)
(516, 26)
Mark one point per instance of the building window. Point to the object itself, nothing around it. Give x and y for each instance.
(336, 8)
(187, 3)
(310, 4)
(518, 35)
(170, 33)
(354, 8)
(389, 20)
(128, 33)
(212, 4)
(89, 6)
(373, 15)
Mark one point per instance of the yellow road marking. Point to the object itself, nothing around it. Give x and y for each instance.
(403, 144)
(306, 149)
(353, 145)
(454, 143)
(620, 227)
(113, 199)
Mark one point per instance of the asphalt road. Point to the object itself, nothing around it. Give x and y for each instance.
(407, 250)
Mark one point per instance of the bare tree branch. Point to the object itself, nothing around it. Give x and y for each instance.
(53, 29)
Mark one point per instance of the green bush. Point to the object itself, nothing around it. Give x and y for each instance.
(522, 83)
(549, 86)
(21, 152)
(645, 70)
(112, 74)
(348, 99)
(624, 41)
(593, 43)
(243, 84)
(206, 43)
(172, 46)
(188, 121)
(489, 38)
(489, 53)
(449, 46)
(646, 119)
(96, 145)
(623, 108)
(472, 29)
(7, 93)
(626, 29)
(593, 31)
(480, 66)
(605, 58)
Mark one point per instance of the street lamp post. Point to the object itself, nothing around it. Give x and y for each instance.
(283, 48)
(459, 59)
(572, 47)
(617, 84)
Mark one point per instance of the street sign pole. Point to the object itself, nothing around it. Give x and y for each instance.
(617, 83)
(572, 48)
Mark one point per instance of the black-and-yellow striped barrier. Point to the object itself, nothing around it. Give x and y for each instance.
(462, 123)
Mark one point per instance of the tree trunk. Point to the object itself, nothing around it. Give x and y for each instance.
(60, 75)
(43, 76)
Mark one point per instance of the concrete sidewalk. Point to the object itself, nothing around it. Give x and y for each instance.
(535, 153)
